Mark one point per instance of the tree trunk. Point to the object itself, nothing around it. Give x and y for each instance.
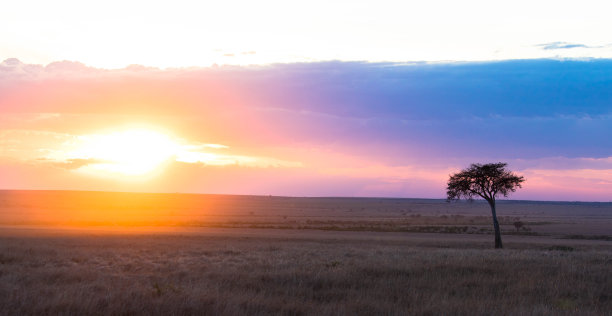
(498, 241)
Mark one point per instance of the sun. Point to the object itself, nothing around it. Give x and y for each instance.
(131, 152)
(135, 154)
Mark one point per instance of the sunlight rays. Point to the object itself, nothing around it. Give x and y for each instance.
(138, 153)
(130, 152)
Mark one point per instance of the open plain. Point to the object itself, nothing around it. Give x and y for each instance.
(77, 253)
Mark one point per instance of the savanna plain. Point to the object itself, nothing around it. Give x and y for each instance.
(77, 253)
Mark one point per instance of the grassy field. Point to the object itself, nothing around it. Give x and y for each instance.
(227, 255)
(70, 208)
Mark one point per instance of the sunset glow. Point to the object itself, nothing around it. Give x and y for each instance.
(130, 152)
(230, 157)
(314, 99)
(297, 130)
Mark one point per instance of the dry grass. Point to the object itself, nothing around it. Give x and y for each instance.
(235, 255)
(563, 219)
(181, 274)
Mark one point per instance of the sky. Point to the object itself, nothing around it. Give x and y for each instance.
(183, 33)
(354, 98)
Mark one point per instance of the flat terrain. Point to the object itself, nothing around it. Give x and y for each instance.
(118, 253)
(72, 208)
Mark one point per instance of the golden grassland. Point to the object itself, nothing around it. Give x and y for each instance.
(74, 208)
(235, 255)
(261, 273)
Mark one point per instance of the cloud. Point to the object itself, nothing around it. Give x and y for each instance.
(75, 163)
(66, 66)
(13, 68)
(564, 185)
(563, 163)
(16, 67)
(561, 45)
(566, 45)
(211, 159)
(215, 146)
(547, 108)
(359, 119)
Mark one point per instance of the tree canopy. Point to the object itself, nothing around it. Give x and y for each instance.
(483, 180)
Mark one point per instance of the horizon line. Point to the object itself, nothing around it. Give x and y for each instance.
(299, 196)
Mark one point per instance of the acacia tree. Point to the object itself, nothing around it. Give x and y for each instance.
(486, 181)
